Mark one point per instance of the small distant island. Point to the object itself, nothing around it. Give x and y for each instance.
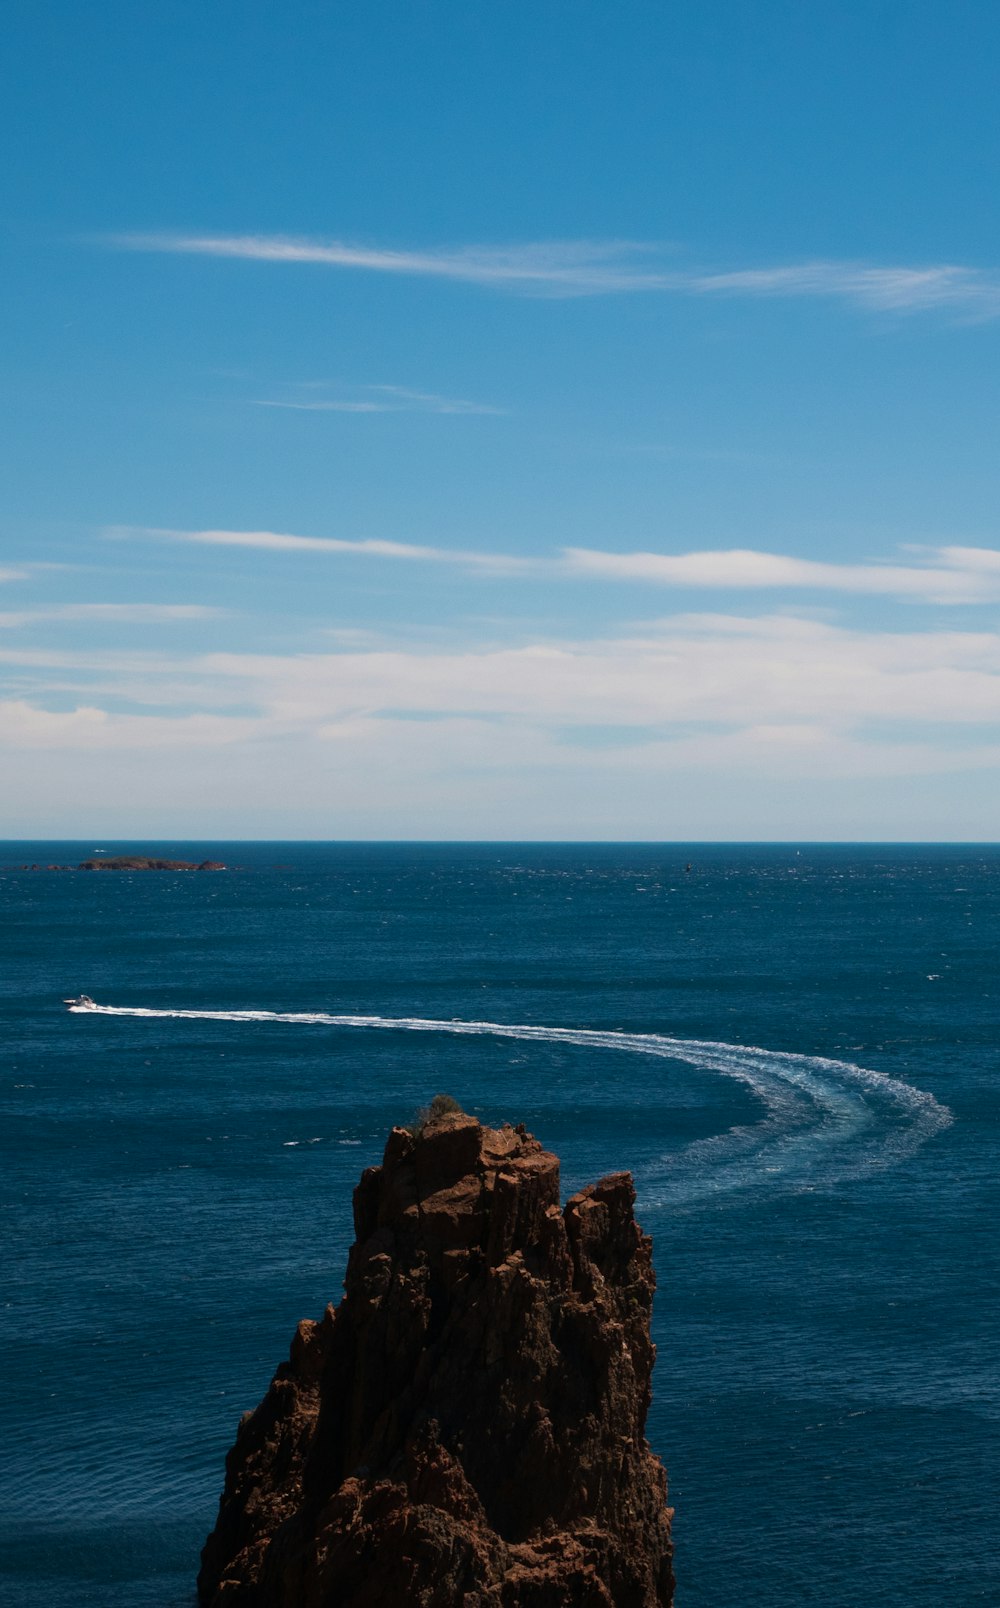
(133, 862)
(143, 862)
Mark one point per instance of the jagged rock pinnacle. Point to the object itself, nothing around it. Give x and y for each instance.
(466, 1429)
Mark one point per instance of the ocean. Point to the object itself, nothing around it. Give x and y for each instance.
(793, 1048)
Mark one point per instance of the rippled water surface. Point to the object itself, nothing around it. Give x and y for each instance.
(795, 1051)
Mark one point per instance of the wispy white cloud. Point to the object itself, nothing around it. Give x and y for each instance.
(112, 614)
(949, 575)
(284, 542)
(570, 267)
(435, 404)
(959, 575)
(387, 399)
(13, 575)
(581, 268)
(885, 289)
(323, 407)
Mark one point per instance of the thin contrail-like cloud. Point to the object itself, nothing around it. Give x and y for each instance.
(585, 267)
(590, 268)
(382, 399)
(286, 542)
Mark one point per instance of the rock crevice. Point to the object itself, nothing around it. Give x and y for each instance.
(467, 1426)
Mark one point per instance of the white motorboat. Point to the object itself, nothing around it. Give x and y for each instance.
(82, 1002)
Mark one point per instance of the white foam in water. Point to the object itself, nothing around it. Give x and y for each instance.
(825, 1120)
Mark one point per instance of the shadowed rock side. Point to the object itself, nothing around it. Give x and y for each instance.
(466, 1428)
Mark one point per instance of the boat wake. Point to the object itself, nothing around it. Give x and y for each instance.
(824, 1120)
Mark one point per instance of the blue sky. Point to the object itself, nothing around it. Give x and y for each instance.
(449, 420)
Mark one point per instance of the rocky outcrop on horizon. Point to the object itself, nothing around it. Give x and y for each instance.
(144, 862)
(466, 1429)
(132, 862)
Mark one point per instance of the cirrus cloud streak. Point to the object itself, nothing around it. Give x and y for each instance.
(588, 268)
(386, 399)
(286, 542)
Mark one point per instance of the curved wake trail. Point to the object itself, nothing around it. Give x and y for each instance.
(825, 1120)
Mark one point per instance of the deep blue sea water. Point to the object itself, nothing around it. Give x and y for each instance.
(176, 1190)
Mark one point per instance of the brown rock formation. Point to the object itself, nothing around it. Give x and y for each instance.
(466, 1429)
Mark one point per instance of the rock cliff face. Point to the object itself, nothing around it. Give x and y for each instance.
(466, 1428)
